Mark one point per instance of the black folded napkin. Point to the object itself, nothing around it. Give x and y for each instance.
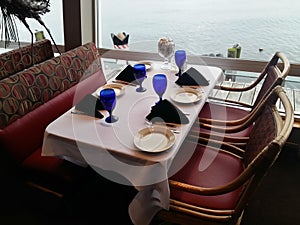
(90, 105)
(126, 74)
(165, 111)
(192, 77)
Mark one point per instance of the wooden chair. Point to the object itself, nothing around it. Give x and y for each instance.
(237, 113)
(271, 76)
(220, 193)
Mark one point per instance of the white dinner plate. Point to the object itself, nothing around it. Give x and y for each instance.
(186, 95)
(154, 139)
(147, 64)
(118, 88)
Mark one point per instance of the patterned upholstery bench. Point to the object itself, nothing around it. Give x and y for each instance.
(33, 98)
(19, 59)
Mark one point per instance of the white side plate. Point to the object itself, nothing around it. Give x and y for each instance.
(154, 139)
(186, 95)
(118, 88)
(147, 64)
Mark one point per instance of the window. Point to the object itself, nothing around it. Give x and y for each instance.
(206, 27)
(52, 19)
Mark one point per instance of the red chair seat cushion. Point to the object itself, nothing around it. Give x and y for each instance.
(222, 169)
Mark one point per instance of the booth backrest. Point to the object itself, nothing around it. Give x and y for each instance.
(16, 60)
(33, 98)
(25, 91)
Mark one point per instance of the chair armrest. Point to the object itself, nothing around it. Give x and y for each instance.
(203, 190)
(231, 102)
(240, 142)
(222, 146)
(225, 129)
(219, 122)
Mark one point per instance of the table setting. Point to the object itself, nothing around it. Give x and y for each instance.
(134, 125)
(162, 112)
(146, 106)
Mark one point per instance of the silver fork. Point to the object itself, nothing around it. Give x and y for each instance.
(170, 126)
(77, 112)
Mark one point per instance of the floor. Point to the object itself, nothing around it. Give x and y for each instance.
(276, 202)
(23, 205)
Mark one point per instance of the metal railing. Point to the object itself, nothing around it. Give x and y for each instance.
(237, 64)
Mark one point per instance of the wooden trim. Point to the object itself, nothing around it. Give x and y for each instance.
(72, 24)
(93, 21)
(44, 189)
(87, 21)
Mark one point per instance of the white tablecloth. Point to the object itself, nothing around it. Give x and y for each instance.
(88, 141)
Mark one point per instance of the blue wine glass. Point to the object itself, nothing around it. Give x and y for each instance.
(139, 72)
(159, 82)
(108, 99)
(180, 59)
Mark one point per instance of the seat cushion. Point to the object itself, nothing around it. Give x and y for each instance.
(221, 168)
(54, 173)
(29, 128)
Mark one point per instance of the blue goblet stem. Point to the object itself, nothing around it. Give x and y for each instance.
(140, 88)
(179, 72)
(111, 118)
(108, 119)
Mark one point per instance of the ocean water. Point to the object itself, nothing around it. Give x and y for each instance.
(207, 26)
(198, 26)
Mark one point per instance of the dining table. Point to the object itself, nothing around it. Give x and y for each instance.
(116, 150)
